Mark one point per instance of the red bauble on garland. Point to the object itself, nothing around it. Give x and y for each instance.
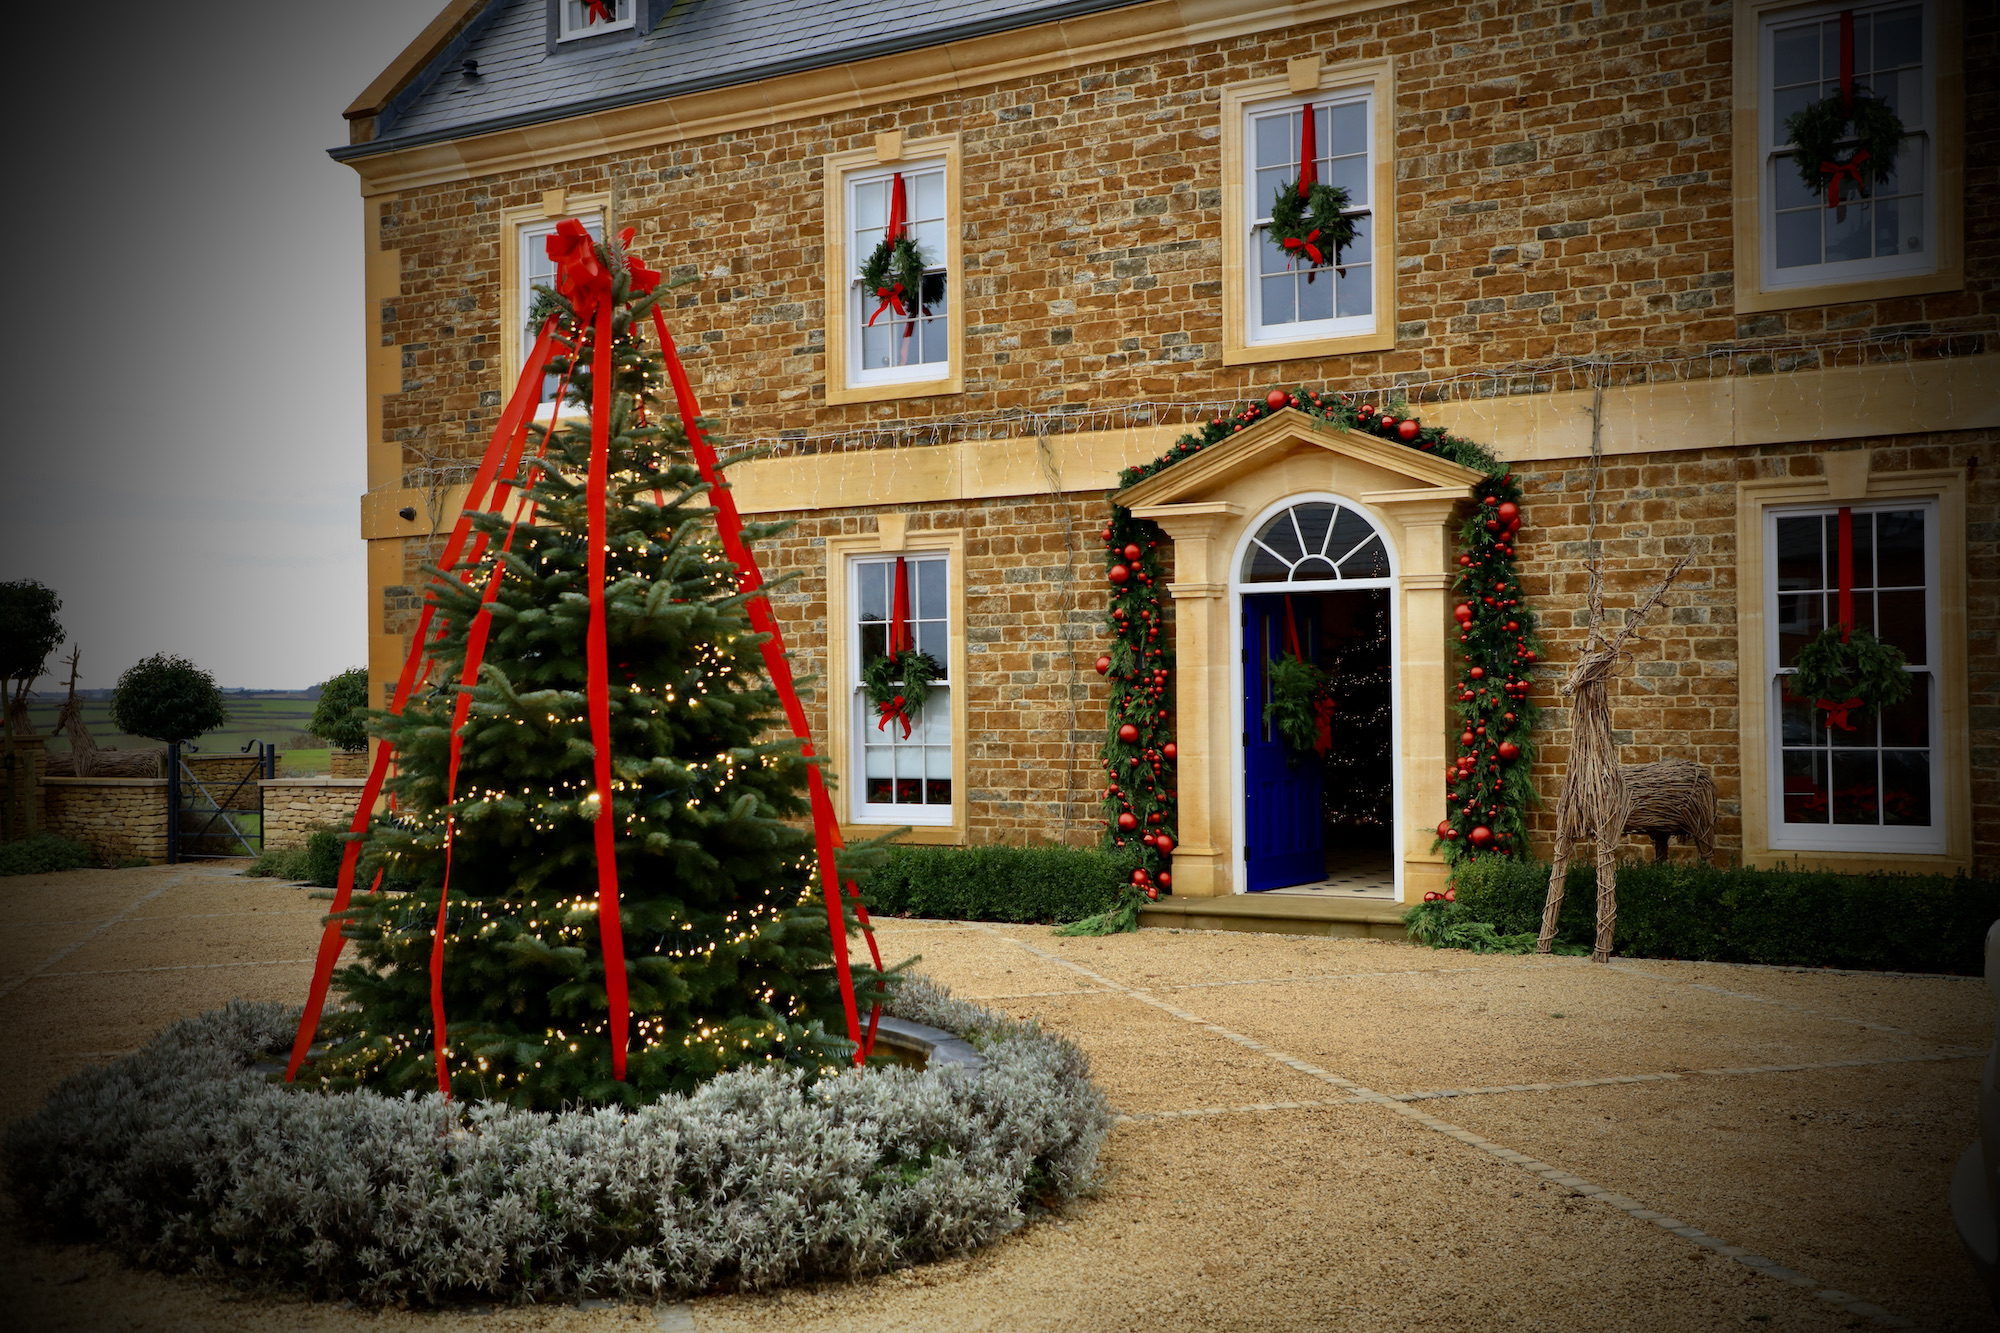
(1277, 400)
(1118, 574)
(1128, 733)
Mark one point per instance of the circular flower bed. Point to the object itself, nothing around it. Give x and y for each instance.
(187, 1157)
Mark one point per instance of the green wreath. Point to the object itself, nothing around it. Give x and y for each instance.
(899, 683)
(1863, 668)
(1818, 130)
(1297, 689)
(1315, 227)
(895, 270)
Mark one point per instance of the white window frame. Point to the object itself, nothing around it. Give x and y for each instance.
(1921, 138)
(530, 238)
(572, 19)
(1256, 333)
(1831, 837)
(862, 717)
(859, 305)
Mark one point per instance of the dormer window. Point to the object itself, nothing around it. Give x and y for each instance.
(590, 18)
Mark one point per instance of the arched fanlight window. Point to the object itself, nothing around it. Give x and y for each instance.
(1316, 542)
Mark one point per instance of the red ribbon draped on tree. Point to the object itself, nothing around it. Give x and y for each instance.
(582, 279)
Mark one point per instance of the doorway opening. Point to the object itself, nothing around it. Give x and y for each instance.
(1320, 820)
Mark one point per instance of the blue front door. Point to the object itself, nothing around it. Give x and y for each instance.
(1284, 832)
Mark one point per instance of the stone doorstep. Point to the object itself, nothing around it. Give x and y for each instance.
(1352, 918)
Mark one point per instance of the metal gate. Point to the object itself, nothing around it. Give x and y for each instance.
(217, 814)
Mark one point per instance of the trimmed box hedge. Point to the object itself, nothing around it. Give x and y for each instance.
(997, 883)
(1796, 917)
(43, 854)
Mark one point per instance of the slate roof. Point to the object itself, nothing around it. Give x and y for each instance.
(697, 45)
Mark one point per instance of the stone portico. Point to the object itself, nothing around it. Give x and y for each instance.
(1209, 506)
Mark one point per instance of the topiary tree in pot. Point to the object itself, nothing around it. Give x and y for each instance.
(167, 698)
(339, 717)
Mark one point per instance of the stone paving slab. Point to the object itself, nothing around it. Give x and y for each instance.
(1319, 1133)
(1147, 1061)
(1497, 1027)
(969, 956)
(1786, 1163)
(1953, 1011)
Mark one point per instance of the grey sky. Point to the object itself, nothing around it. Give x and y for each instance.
(185, 455)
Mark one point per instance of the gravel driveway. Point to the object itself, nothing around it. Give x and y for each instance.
(1315, 1134)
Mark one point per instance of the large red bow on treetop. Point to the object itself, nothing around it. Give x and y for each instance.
(1839, 171)
(583, 281)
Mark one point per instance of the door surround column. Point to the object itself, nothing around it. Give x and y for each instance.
(1201, 699)
(1423, 587)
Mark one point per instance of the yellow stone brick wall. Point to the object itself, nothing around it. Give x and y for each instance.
(294, 807)
(117, 818)
(1564, 183)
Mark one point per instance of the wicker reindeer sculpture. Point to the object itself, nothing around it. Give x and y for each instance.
(1597, 793)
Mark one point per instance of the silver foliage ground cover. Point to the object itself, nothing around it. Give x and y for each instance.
(184, 1157)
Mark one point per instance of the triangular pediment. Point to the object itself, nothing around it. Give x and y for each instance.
(1278, 436)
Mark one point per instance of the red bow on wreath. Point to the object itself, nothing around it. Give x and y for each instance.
(1307, 245)
(892, 298)
(1838, 171)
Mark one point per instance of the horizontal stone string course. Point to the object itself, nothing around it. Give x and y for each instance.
(1554, 1175)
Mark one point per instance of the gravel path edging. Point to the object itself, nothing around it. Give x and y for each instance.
(1359, 1094)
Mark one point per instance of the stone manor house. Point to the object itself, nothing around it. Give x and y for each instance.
(1569, 217)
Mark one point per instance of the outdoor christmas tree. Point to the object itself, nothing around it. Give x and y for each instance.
(726, 946)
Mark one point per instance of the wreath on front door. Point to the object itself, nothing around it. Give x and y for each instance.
(1817, 131)
(1312, 224)
(1844, 671)
(898, 684)
(1301, 703)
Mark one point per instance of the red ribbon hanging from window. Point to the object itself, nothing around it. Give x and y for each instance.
(899, 610)
(1837, 710)
(1847, 60)
(1308, 151)
(594, 10)
(899, 642)
(899, 224)
(826, 828)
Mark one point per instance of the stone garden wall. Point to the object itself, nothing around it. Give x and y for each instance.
(294, 807)
(117, 818)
